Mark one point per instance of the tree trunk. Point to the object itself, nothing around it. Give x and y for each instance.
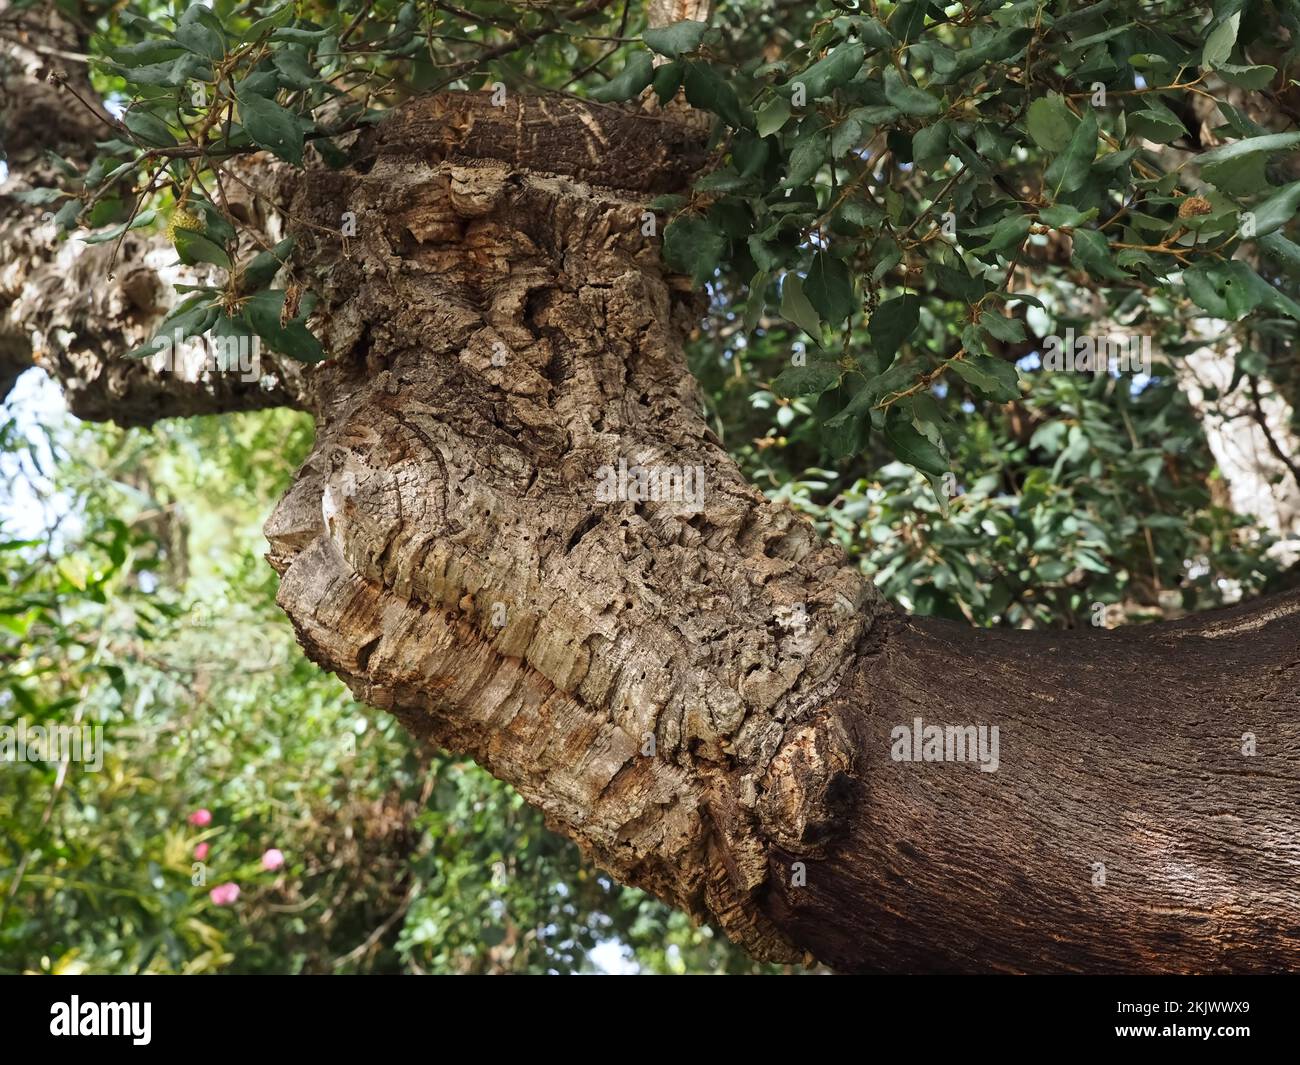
(705, 696)
(687, 681)
(74, 308)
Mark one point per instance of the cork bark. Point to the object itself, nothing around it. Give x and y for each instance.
(695, 688)
(640, 669)
(703, 696)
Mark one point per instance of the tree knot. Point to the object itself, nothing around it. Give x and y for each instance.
(806, 789)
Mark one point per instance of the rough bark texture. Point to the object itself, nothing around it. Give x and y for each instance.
(445, 551)
(444, 548)
(666, 12)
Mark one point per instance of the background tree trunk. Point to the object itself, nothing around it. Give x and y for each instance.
(1250, 434)
(74, 308)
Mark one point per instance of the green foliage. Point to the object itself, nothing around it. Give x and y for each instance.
(1035, 128)
(1087, 490)
(883, 124)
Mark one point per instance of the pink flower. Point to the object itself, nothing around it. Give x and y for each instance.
(200, 852)
(200, 818)
(272, 859)
(224, 894)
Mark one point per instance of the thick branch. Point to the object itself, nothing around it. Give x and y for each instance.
(632, 667)
(1144, 814)
(62, 310)
(695, 688)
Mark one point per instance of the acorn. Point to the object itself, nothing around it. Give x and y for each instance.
(181, 219)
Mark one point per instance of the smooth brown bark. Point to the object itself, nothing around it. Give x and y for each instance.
(1122, 749)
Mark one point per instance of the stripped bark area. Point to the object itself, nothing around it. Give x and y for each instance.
(1144, 816)
(645, 672)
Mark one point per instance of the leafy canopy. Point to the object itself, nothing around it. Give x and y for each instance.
(906, 184)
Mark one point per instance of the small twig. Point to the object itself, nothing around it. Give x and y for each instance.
(135, 210)
(1257, 413)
